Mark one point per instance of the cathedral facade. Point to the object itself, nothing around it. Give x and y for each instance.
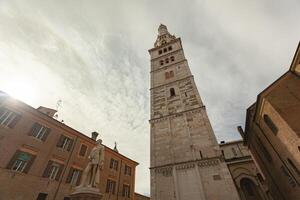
(186, 162)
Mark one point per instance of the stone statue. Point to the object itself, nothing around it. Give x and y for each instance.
(91, 174)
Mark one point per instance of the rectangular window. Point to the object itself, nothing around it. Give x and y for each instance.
(113, 164)
(21, 161)
(160, 52)
(171, 74)
(75, 176)
(8, 118)
(216, 177)
(83, 149)
(170, 48)
(127, 170)
(40, 132)
(110, 186)
(42, 196)
(270, 124)
(53, 170)
(65, 143)
(126, 191)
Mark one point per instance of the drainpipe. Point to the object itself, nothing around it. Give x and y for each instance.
(119, 181)
(65, 168)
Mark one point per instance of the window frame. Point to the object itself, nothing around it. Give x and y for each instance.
(79, 153)
(270, 124)
(110, 186)
(8, 118)
(73, 180)
(126, 191)
(54, 169)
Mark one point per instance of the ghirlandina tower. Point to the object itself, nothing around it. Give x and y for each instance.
(185, 163)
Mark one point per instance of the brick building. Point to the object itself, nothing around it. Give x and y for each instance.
(272, 133)
(248, 179)
(42, 158)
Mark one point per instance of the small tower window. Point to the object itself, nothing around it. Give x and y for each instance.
(172, 58)
(167, 75)
(161, 62)
(167, 60)
(270, 124)
(160, 52)
(165, 50)
(172, 92)
(170, 48)
(171, 74)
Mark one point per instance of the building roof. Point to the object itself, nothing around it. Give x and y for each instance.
(60, 124)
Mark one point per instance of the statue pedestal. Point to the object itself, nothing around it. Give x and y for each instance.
(86, 193)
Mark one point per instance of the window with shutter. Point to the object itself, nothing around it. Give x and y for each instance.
(40, 132)
(75, 177)
(126, 191)
(21, 162)
(65, 142)
(110, 186)
(53, 170)
(82, 150)
(127, 170)
(8, 118)
(114, 164)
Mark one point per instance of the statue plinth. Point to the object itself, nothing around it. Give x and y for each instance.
(86, 193)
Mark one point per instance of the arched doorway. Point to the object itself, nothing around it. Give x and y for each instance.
(250, 190)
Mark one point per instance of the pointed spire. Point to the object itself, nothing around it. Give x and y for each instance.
(163, 36)
(162, 29)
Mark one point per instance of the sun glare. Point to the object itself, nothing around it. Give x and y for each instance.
(21, 90)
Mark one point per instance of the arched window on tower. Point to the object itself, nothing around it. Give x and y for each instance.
(161, 62)
(167, 75)
(172, 58)
(167, 60)
(172, 92)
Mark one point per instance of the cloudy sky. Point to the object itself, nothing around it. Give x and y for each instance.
(93, 56)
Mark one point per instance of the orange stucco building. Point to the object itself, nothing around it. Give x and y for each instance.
(42, 158)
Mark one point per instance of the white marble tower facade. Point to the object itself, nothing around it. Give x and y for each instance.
(186, 163)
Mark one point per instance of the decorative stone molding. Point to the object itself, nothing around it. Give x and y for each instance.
(165, 171)
(206, 163)
(185, 166)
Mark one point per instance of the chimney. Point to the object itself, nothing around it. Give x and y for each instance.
(94, 135)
